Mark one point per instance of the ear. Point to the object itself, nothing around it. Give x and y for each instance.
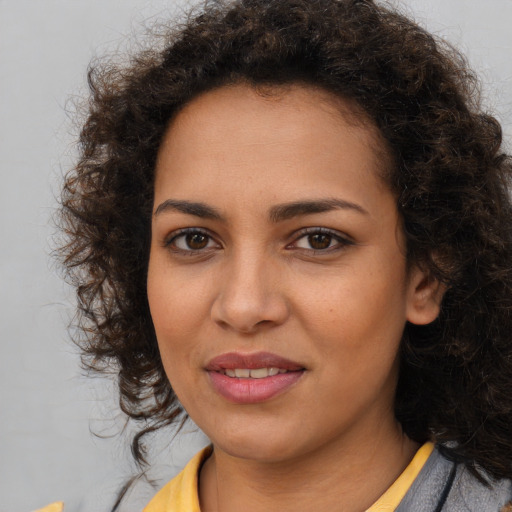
(425, 294)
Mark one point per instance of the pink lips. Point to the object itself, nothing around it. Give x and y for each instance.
(251, 390)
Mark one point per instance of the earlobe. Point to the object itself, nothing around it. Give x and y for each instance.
(425, 297)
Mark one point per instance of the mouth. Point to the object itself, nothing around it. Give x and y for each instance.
(252, 378)
(258, 362)
(256, 373)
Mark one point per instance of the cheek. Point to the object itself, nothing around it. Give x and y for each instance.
(175, 317)
(178, 300)
(352, 298)
(358, 316)
(357, 339)
(175, 343)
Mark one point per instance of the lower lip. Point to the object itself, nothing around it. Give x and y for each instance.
(253, 391)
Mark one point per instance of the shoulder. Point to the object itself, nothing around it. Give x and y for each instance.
(470, 494)
(442, 485)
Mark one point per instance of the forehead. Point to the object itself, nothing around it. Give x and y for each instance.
(245, 106)
(291, 140)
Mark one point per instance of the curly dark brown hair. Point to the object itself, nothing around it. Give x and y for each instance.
(450, 177)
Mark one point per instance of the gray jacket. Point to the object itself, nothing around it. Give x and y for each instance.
(443, 487)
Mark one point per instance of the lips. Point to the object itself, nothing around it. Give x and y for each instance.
(252, 378)
(233, 360)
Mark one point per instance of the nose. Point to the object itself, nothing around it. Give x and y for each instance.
(251, 297)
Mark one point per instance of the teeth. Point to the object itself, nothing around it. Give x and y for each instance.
(257, 373)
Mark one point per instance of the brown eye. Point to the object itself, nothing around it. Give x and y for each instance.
(192, 240)
(196, 241)
(319, 241)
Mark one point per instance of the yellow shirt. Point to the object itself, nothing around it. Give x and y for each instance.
(58, 506)
(180, 494)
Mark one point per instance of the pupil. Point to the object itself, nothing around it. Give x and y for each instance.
(320, 241)
(197, 241)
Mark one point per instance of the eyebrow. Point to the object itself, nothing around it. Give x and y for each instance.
(190, 208)
(287, 211)
(277, 213)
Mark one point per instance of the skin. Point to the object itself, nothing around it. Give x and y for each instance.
(256, 284)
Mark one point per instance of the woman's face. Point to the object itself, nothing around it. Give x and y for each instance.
(277, 280)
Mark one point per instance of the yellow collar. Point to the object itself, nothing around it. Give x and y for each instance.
(180, 494)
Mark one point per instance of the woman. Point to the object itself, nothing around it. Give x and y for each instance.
(294, 219)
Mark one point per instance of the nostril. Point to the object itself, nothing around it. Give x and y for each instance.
(263, 323)
(247, 327)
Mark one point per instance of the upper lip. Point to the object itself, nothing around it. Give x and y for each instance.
(233, 360)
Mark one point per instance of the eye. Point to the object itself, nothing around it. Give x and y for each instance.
(320, 239)
(191, 240)
(317, 241)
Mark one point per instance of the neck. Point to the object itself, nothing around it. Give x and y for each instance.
(348, 477)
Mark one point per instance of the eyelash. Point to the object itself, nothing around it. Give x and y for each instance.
(170, 242)
(341, 242)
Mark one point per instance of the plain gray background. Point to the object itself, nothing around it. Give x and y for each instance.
(48, 408)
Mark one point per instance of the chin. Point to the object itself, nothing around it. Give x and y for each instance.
(263, 450)
(256, 443)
